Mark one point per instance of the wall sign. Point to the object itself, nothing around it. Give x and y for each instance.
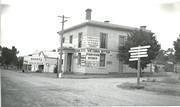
(92, 59)
(92, 41)
(98, 51)
(83, 58)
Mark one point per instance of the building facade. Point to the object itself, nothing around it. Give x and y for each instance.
(42, 61)
(93, 47)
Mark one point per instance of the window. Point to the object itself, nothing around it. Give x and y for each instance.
(79, 58)
(70, 38)
(102, 60)
(103, 40)
(80, 40)
(121, 40)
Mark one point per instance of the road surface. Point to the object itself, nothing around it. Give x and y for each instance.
(25, 90)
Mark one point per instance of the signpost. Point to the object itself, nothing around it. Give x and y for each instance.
(136, 54)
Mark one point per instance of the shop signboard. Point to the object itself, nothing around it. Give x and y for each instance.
(33, 60)
(93, 41)
(105, 51)
(92, 59)
(83, 58)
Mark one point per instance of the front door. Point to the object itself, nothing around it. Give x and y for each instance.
(69, 62)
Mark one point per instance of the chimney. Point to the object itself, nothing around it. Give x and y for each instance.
(106, 21)
(88, 14)
(143, 27)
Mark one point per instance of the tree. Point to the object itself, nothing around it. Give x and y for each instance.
(14, 53)
(139, 38)
(9, 56)
(165, 55)
(161, 58)
(169, 53)
(20, 62)
(6, 56)
(177, 49)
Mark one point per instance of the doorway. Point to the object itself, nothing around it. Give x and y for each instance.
(41, 68)
(69, 62)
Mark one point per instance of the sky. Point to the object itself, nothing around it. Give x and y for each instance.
(32, 25)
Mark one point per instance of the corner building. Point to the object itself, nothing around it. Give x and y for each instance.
(92, 47)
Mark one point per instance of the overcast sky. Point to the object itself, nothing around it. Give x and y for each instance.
(33, 24)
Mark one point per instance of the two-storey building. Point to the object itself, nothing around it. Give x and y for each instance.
(93, 47)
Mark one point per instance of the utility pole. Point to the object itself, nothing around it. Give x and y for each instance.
(61, 45)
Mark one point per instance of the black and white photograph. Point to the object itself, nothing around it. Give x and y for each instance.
(89, 53)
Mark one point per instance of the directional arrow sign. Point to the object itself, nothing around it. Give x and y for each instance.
(140, 47)
(133, 59)
(141, 50)
(138, 56)
(139, 53)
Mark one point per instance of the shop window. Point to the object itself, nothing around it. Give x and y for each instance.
(79, 58)
(103, 40)
(70, 38)
(80, 40)
(102, 60)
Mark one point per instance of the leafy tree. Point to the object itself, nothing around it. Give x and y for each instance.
(169, 53)
(6, 56)
(177, 49)
(14, 52)
(139, 38)
(9, 56)
(165, 55)
(161, 58)
(20, 62)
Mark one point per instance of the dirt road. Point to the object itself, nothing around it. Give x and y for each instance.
(24, 90)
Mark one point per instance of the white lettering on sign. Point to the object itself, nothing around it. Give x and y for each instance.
(98, 51)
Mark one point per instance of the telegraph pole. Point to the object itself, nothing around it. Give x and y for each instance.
(61, 45)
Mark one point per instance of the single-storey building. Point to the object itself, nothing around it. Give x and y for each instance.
(177, 67)
(93, 47)
(43, 61)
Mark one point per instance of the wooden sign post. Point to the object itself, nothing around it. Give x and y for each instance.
(136, 54)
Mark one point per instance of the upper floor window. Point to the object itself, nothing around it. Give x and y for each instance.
(103, 40)
(70, 39)
(80, 40)
(122, 40)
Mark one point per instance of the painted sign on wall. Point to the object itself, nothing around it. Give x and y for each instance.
(83, 58)
(92, 41)
(92, 59)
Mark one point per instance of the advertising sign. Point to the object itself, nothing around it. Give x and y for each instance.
(92, 59)
(83, 58)
(92, 41)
